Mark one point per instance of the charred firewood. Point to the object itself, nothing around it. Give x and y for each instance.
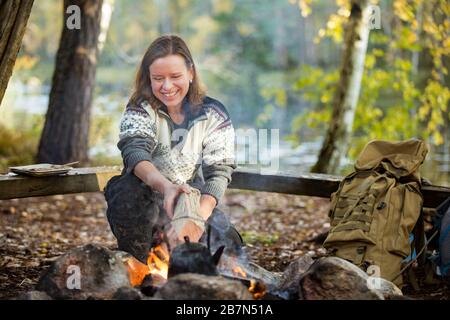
(289, 285)
(149, 285)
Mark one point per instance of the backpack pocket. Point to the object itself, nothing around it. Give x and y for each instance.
(356, 215)
(351, 219)
(404, 209)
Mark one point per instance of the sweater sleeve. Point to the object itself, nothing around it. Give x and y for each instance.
(218, 154)
(137, 136)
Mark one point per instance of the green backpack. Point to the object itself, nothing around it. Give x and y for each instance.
(376, 207)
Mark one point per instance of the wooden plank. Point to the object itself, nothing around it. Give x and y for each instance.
(76, 181)
(94, 179)
(434, 195)
(314, 185)
(317, 185)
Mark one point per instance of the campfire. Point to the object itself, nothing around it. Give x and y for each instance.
(95, 272)
(192, 271)
(157, 268)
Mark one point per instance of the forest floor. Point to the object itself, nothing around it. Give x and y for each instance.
(276, 228)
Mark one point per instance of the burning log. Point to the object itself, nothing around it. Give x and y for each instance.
(150, 286)
(156, 268)
(257, 289)
(89, 272)
(241, 268)
(193, 286)
(289, 284)
(332, 278)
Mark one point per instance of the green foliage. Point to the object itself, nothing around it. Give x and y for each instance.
(394, 101)
(18, 147)
(104, 129)
(253, 56)
(104, 159)
(434, 108)
(265, 116)
(253, 237)
(316, 87)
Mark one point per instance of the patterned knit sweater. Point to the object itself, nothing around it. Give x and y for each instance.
(207, 142)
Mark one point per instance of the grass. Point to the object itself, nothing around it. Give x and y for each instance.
(253, 237)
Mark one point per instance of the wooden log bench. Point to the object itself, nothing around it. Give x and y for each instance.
(94, 180)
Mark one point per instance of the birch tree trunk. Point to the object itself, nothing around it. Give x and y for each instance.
(336, 142)
(165, 23)
(66, 130)
(14, 16)
(105, 22)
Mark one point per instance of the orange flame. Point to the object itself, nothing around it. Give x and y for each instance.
(257, 289)
(158, 261)
(157, 264)
(238, 271)
(137, 271)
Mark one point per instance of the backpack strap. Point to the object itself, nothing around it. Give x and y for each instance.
(360, 253)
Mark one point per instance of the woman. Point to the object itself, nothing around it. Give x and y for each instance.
(172, 138)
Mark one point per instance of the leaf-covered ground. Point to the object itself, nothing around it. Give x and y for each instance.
(276, 228)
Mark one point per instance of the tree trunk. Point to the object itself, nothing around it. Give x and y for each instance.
(105, 22)
(165, 23)
(335, 145)
(65, 135)
(14, 16)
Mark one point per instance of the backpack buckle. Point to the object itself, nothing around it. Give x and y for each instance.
(381, 205)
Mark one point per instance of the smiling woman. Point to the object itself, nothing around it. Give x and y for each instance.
(174, 139)
(168, 68)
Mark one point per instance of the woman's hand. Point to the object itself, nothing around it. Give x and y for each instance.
(148, 173)
(207, 205)
(170, 193)
(190, 229)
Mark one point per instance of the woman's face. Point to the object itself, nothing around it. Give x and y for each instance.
(170, 79)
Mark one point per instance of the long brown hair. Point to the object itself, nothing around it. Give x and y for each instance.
(161, 47)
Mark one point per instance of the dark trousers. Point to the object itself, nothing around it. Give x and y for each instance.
(136, 218)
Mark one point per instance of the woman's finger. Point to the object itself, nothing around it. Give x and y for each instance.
(168, 206)
(186, 188)
(171, 233)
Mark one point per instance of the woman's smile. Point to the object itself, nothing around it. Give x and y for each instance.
(171, 94)
(170, 78)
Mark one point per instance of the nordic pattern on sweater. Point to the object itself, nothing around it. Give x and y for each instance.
(146, 134)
